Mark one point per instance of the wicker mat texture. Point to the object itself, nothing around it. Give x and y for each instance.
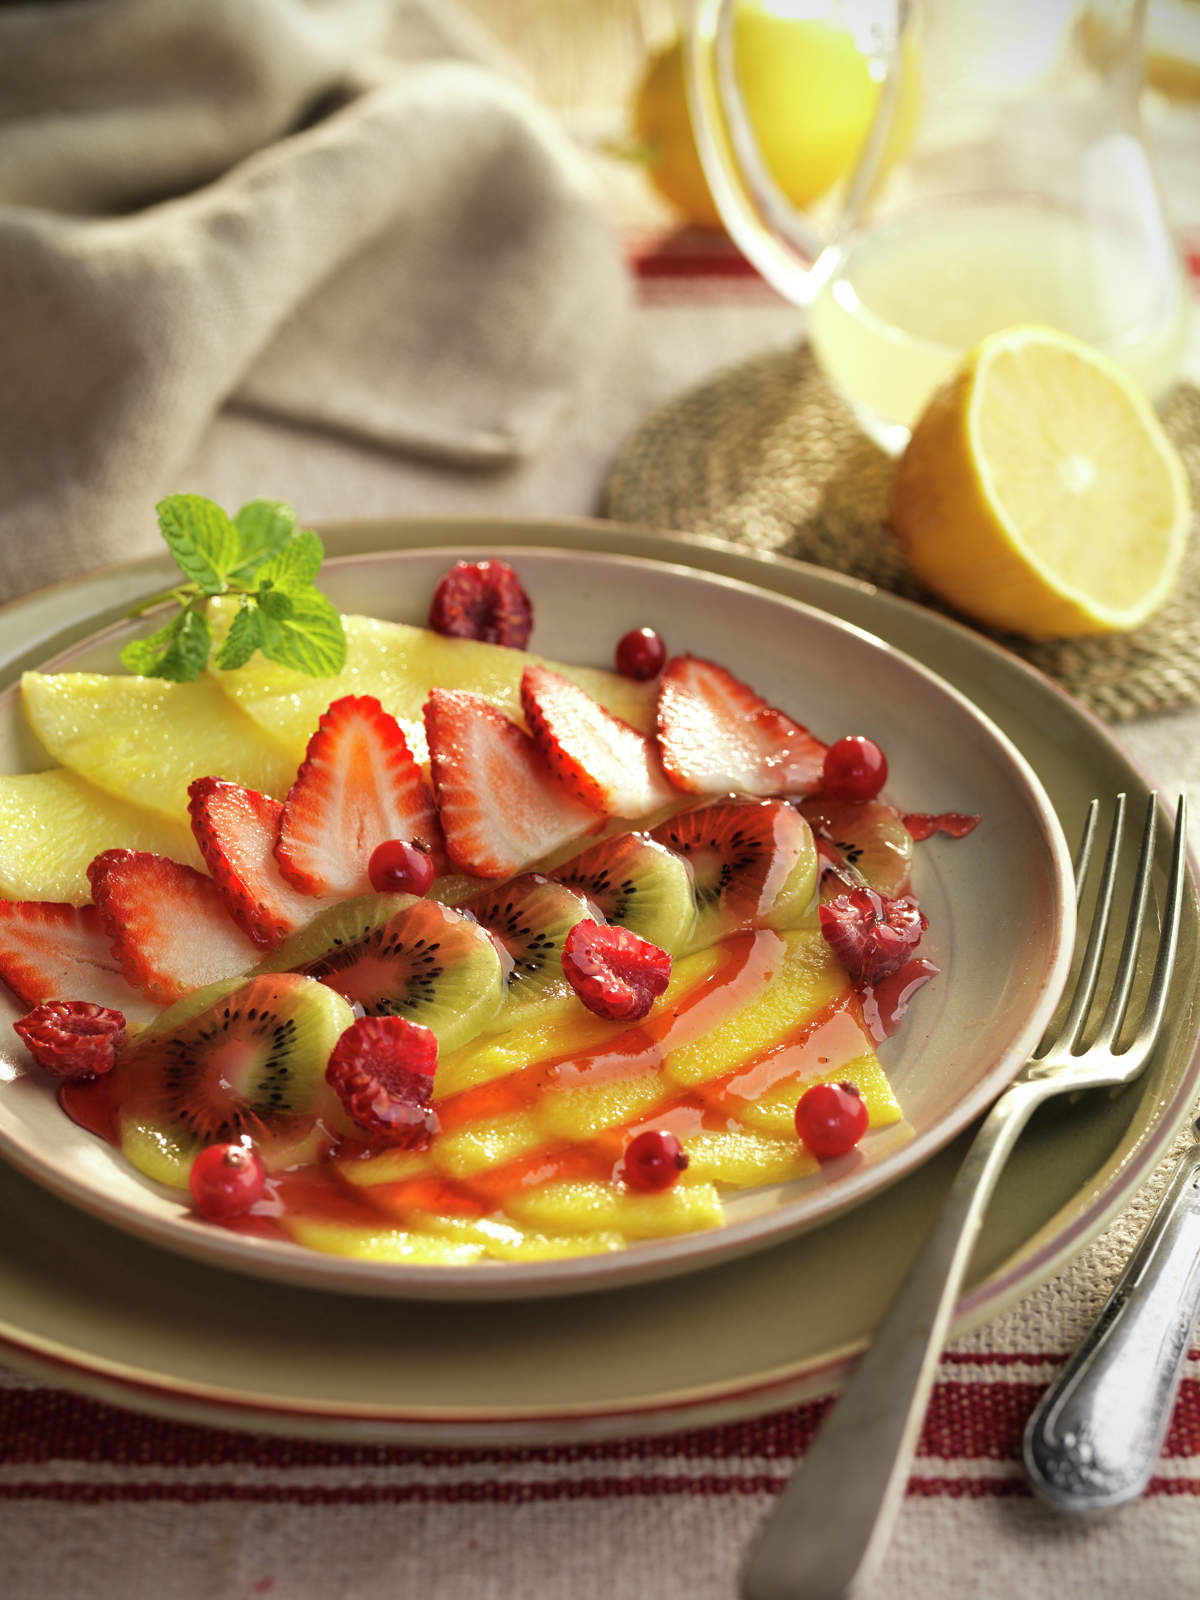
(766, 455)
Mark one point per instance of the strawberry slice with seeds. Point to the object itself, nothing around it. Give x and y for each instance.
(610, 766)
(717, 736)
(168, 925)
(48, 949)
(357, 787)
(236, 829)
(502, 807)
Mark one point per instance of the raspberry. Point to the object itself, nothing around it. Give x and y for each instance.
(382, 1071)
(482, 600)
(831, 1118)
(397, 867)
(872, 934)
(615, 974)
(654, 1159)
(226, 1180)
(73, 1038)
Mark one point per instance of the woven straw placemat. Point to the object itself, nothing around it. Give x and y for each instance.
(766, 455)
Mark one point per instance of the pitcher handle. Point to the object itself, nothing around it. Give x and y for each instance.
(782, 242)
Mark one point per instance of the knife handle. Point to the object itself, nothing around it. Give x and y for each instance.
(1095, 1438)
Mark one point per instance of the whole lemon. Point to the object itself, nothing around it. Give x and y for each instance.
(810, 96)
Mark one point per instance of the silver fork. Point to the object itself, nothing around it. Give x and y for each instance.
(828, 1530)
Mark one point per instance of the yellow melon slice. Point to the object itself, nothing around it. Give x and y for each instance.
(399, 665)
(144, 739)
(53, 823)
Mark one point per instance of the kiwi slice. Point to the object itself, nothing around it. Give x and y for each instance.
(250, 1063)
(337, 927)
(871, 839)
(531, 916)
(753, 863)
(640, 884)
(394, 955)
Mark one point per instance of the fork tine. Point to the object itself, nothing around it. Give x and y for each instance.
(1089, 970)
(1156, 1000)
(1118, 1001)
(1083, 855)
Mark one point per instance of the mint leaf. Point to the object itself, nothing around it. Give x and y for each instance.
(205, 543)
(294, 567)
(264, 528)
(247, 633)
(311, 639)
(276, 605)
(263, 560)
(178, 651)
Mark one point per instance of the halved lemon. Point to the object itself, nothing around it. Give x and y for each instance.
(1039, 493)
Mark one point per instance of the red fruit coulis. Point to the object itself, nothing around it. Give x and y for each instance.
(822, 1046)
(924, 824)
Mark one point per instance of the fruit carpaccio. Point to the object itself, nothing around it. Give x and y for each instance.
(652, 932)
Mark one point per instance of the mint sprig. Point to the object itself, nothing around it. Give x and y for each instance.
(264, 560)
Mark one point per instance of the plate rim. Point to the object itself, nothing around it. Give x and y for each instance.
(643, 1260)
(168, 1394)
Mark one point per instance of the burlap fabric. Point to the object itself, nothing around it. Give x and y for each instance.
(765, 454)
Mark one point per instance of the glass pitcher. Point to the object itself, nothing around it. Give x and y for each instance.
(1021, 191)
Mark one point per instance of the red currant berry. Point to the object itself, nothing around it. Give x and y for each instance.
(397, 867)
(831, 1118)
(855, 770)
(226, 1180)
(640, 654)
(654, 1159)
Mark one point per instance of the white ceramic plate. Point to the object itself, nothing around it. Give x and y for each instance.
(999, 904)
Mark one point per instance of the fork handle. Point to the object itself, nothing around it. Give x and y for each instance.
(1095, 1438)
(830, 1526)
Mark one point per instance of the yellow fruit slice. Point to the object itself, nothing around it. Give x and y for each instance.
(399, 665)
(588, 1207)
(144, 739)
(807, 978)
(382, 1243)
(1039, 493)
(53, 823)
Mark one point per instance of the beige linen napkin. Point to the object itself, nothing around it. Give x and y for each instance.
(344, 213)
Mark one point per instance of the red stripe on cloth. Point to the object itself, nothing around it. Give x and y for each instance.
(650, 1486)
(697, 253)
(966, 1421)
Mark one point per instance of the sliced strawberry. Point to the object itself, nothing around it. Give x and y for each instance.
(236, 829)
(168, 925)
(357, 787)
(611, 767)
(73, 1039)
(717, 736)
(48, 950)
(502, 807)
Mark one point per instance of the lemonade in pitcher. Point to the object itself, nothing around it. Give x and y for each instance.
(1023, 192)
(896, 304)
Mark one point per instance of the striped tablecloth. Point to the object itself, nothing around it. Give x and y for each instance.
(100, 1503)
